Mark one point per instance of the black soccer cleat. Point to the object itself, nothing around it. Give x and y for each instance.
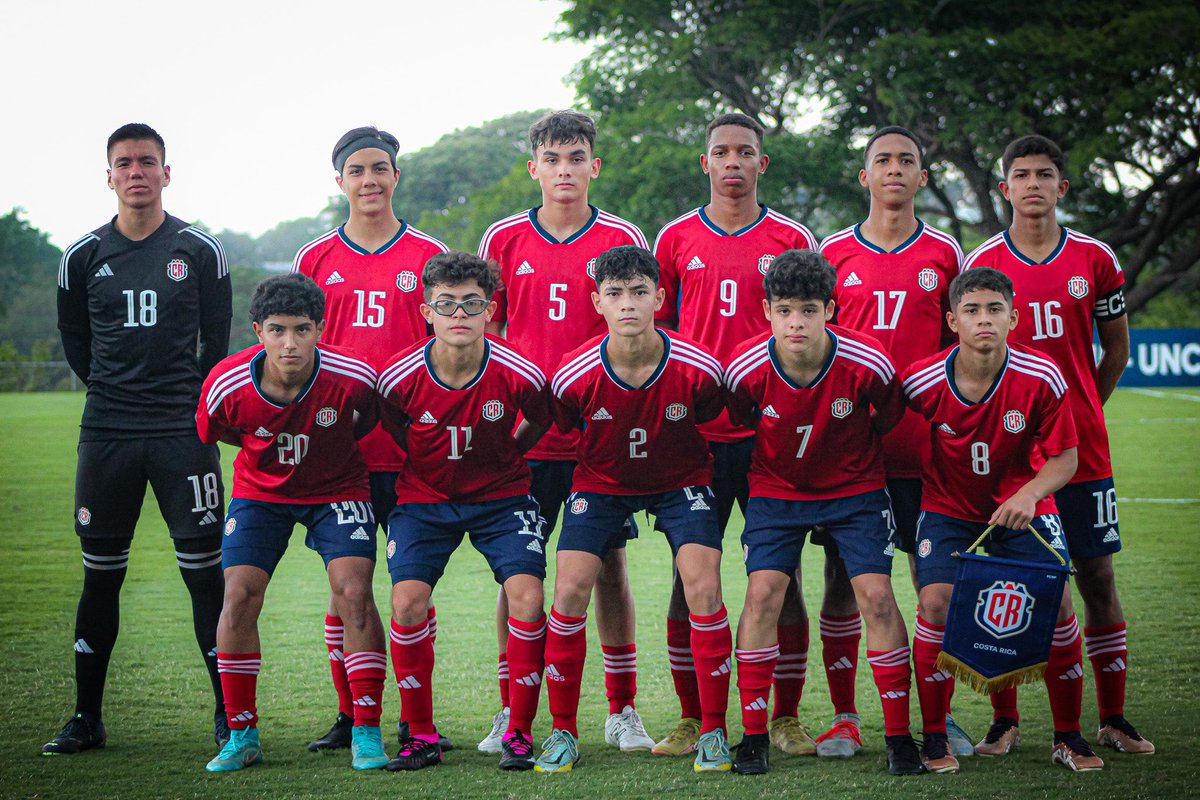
(903, 757)
(443, 740)
(752, 754)
(220, 727)
(516, 752)
(415, 753)
(83, 731)
(338, 736)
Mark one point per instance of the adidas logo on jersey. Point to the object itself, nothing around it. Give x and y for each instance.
(365, 702)
(553, 674)
(602, 414)
(1112, 536)
(82, 647)
(360, 535)
(723, 669)
(104, 272)
(770, 411)
(841, 663)
(532, 679)
(852, 280)
(695, 263)
(758, 705)
(1117, 665)
(334, 278)
(535, 546)
(1073, 674)
(427, 419)
(700, 505)
(524, 269)
(409, 682)
(263, 433)
(209, 518)
(946, 429)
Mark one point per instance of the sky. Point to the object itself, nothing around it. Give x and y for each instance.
(250, 96)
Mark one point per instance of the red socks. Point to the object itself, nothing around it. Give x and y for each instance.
(527, 643)
(755, 668)
(334, 638)
(502, 678)
(893, 678)
(366, 671)
(620, 676)
(791, 669)
(933, 684)
(683, 667)
(1107, 651)
(840, 639)
(1064, 675)
(412, 662)
(239, 683)
(566, 650)
(712, 645)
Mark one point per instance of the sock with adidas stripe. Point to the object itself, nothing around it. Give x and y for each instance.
(893, 678)
(335, 633)
(239, 682)
(412, 664)
(620, 675)
(527, 646)
(1064, 675)
(366, 671)
(1109, 655)
(199, 563)
(683, 667)
(98, 618)
(712, 646)
(791, 669)
(840, 640)
(933, 684)
(566, 651)
(755, 668)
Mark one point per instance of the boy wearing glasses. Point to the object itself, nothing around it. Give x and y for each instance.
(451, 401)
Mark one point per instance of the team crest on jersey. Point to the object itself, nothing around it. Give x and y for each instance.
(1077, 286)
(326, 416)
(1004, 609)
(842, 407)
(676, 411)
(176, 269)
(84, 516)
(764, 263)
(1014, 421)
(493, 410)
(406, 281)
(230, 526)
(578, 506)
(591, 269)
(927, 279)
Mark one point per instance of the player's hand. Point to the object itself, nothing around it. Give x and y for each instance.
(1015, 512)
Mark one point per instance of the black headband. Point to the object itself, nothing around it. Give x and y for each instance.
(361, 143)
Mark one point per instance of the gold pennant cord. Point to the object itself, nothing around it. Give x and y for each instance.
(984, 685)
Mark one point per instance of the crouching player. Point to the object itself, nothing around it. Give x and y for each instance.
(638, 393)
(451, 400)
(994, 410)
(821, 398)
(297, 411)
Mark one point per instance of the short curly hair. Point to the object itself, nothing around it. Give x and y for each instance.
(290, 295)
(800, 275)
(456, 267)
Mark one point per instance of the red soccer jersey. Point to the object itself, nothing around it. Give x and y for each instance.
(815, 442)
(460, 441)
(645, 439)
(901, 298)
(714, 283)
(372, 306)
(302, 452)
(982, 453)
(547, 297)
(1058, 300)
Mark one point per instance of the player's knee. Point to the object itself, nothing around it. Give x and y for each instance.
(876, 602)
(1096, 580)
(704, 594)
(612, 576)
(935, 605)
(526, 600)
(410, 608)
(763, 601)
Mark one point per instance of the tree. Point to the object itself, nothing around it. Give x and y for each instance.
(1118, 83)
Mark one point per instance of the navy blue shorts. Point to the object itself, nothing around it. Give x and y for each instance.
(383, 495)
(550, 487)
(594, 522)
(731, 476)
(938, 536)
(509, 532)
(1089, 516)
(257, 532)
(860, 525)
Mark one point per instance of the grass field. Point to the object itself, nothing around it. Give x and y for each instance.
(158, 706)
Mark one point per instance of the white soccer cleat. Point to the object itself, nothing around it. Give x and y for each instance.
(625, 730)
(494, 741)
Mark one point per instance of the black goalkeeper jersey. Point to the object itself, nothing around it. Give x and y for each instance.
(142, 323)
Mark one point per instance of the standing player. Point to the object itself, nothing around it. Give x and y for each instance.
(453, 399)
(546, 257)
(297, 411)
(893, 280)
(713, 261)
(639, 395)
(1070, 285)
(134, 298)
(1002, 441)
(369, 269)
(821, 397)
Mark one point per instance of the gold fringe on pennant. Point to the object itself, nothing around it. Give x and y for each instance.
(985, 685)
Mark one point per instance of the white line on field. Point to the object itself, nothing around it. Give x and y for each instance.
(1169, 419)
(1195, 398)
(1158, 500)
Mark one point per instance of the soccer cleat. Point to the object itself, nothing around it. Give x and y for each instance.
(842, 740)
(903, 758)
(560, 753)
(712, 753)
(1073, 752)
(339, 735)
(1002, 737)
(1117, 733)
(493, 742)
(625, 730)
(82, 732)
(680, 741)
(242, 750)
(415, 753)
(402, 734)
(960, 742)
(517, 752)
(220, 727)
(366, 747)
(752, 754)
(936, 754)
(790, 736)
